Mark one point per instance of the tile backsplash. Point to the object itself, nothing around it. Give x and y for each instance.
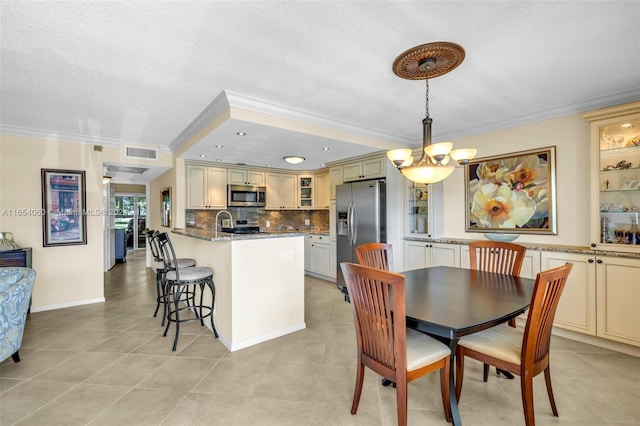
(278, 219)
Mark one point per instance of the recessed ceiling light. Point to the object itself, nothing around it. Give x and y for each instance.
(203, 155)
(219, 146)
(627, 125)
(267, 165)
(293, 159)
(325, 148)
(241, 133)
(219, 160)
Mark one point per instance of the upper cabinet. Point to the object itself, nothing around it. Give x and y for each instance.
(615, 177)
(206, 187)
(245, 177)
(322, 191)
(335, 179)
(417, 214)
(305, 191)
(366, 169)
(281, 191)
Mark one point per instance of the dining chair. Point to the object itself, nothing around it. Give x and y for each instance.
(376, 255)
(385, 345)
(524, 353)
(500, 257)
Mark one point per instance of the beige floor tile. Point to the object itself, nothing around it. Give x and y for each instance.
(83, 340)
(6, 384)
(78, 406)
(123, 342)
(20, 401)
(128, 370)
(339, 413)
(263, 411)
(232, 377)
(180, 374)
(205, 410)
(140, 407)
(203, 346)
(33, 363)
(160, 345)
(290, 382)
(79, 367)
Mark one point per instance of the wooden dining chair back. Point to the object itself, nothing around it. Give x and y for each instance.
(524, 353)
(376, 255)
(496, 256)
(384, 343)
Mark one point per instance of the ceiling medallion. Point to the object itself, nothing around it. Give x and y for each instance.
(443, 55)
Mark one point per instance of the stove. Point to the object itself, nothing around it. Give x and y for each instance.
(243, 226)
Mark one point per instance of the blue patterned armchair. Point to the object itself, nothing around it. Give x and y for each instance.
(16, 285)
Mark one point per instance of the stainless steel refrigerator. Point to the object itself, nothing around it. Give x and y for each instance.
(361, 218)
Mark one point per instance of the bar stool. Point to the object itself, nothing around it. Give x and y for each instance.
(181, 285)
(160, 272)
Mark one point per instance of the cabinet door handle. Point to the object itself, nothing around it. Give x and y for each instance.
(590, 260)
(593, 245)
(599, 261)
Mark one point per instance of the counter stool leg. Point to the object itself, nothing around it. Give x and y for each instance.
(159, 291)
(212, 286)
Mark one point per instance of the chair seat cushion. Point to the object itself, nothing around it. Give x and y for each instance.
(423, 350)
(191, 274)
(182, 263)
(502, 342)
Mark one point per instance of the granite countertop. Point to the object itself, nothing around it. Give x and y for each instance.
(208, 235)
(537, 246)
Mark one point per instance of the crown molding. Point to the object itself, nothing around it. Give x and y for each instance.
(613, 99)
(61, 136)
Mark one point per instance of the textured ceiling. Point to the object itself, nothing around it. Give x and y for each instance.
(142, 72)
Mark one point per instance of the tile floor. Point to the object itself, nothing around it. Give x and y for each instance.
(107, 364)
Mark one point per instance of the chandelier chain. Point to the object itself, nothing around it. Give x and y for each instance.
(426, 79)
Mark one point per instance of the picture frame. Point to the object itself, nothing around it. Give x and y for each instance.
(64, 204)
(165, 207)
(512, 193)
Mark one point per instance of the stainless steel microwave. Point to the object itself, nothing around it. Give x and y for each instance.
(246, 196)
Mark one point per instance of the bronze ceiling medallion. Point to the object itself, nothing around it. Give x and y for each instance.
(435, 58)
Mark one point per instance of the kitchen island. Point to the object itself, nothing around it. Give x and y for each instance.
(259, 281)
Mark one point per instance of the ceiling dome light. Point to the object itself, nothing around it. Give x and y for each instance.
(294, 159)
(241, 134)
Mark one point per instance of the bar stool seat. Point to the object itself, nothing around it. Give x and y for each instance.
(181, 286)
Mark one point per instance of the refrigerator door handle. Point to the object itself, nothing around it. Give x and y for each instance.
(354, 224)
(349, 223)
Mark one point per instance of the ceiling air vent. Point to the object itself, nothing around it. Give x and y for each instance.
(126, 169)
(135, 152)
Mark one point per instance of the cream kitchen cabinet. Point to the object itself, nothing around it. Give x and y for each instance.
(423, 254)
(318, 254)
(335, 179)
(281, 191)
(206, 187)
(366, 169)
(306, 191)
(245, 177)
(618, 299)
(615, 178)
(577, 307)
(322, 191)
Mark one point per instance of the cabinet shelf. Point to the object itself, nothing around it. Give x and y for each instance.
(621, 150)
(630, 169)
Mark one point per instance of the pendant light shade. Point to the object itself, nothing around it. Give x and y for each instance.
(427, 174)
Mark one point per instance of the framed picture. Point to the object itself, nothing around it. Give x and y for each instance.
(512, 193)
(165, 207)
(64, 204)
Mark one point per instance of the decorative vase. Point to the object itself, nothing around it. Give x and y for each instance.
(6, 242)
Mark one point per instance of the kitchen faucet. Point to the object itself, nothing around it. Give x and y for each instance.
(217, 215)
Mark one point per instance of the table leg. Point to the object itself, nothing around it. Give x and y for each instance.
(453, 401)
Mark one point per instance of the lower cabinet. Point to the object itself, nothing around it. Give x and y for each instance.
(618, 296)
(318, 254)
(421, 254)
(601, 297)
(577, 306)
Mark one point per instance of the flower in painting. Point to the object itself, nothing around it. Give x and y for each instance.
(499, 206)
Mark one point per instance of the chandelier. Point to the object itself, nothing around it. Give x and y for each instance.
(422, 63)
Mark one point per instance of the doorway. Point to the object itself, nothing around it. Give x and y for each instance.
(131, 215)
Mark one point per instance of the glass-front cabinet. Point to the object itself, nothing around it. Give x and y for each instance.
(417, 213)
(615, 178)
(305, 196)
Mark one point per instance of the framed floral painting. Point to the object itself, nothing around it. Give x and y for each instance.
(512, 193)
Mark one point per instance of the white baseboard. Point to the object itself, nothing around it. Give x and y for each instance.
(254, 341)
(67, 305)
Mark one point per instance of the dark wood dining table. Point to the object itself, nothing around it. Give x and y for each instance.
(448, 303)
